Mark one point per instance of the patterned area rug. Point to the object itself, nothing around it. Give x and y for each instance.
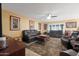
(51, 47)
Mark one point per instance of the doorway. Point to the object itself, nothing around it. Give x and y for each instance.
(0, 20)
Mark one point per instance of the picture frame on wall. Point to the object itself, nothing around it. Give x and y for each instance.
(71, 24)
(39, 25)
(31, 25)
(14, 23)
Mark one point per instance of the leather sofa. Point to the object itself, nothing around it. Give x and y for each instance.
(56, 34)
(29, 35)
(65, 41)
(71, 45)
(69, 52)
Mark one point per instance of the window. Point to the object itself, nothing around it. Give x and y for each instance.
(31, 25)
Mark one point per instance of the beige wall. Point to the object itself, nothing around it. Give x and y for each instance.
(24, 24)
(67, 20)
(72, 20)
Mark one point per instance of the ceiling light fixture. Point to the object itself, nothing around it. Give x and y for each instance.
(49, 16)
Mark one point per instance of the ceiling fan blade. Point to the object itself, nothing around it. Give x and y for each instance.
(53, 16)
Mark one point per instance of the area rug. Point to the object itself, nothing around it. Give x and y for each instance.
(51, 47)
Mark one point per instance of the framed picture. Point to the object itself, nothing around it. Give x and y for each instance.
(71, 24)
(31, 25)
(45, 26)
(14, 23)
(39, 25)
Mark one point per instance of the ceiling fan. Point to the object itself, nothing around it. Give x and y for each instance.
(46, 16)
(50, 16)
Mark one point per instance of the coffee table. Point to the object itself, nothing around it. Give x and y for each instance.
(42, 38)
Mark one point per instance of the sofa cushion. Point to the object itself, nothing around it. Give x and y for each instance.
(69, 52)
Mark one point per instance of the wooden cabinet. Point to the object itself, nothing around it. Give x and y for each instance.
(15, 48)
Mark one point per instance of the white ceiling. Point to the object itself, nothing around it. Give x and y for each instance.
(39, 10)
